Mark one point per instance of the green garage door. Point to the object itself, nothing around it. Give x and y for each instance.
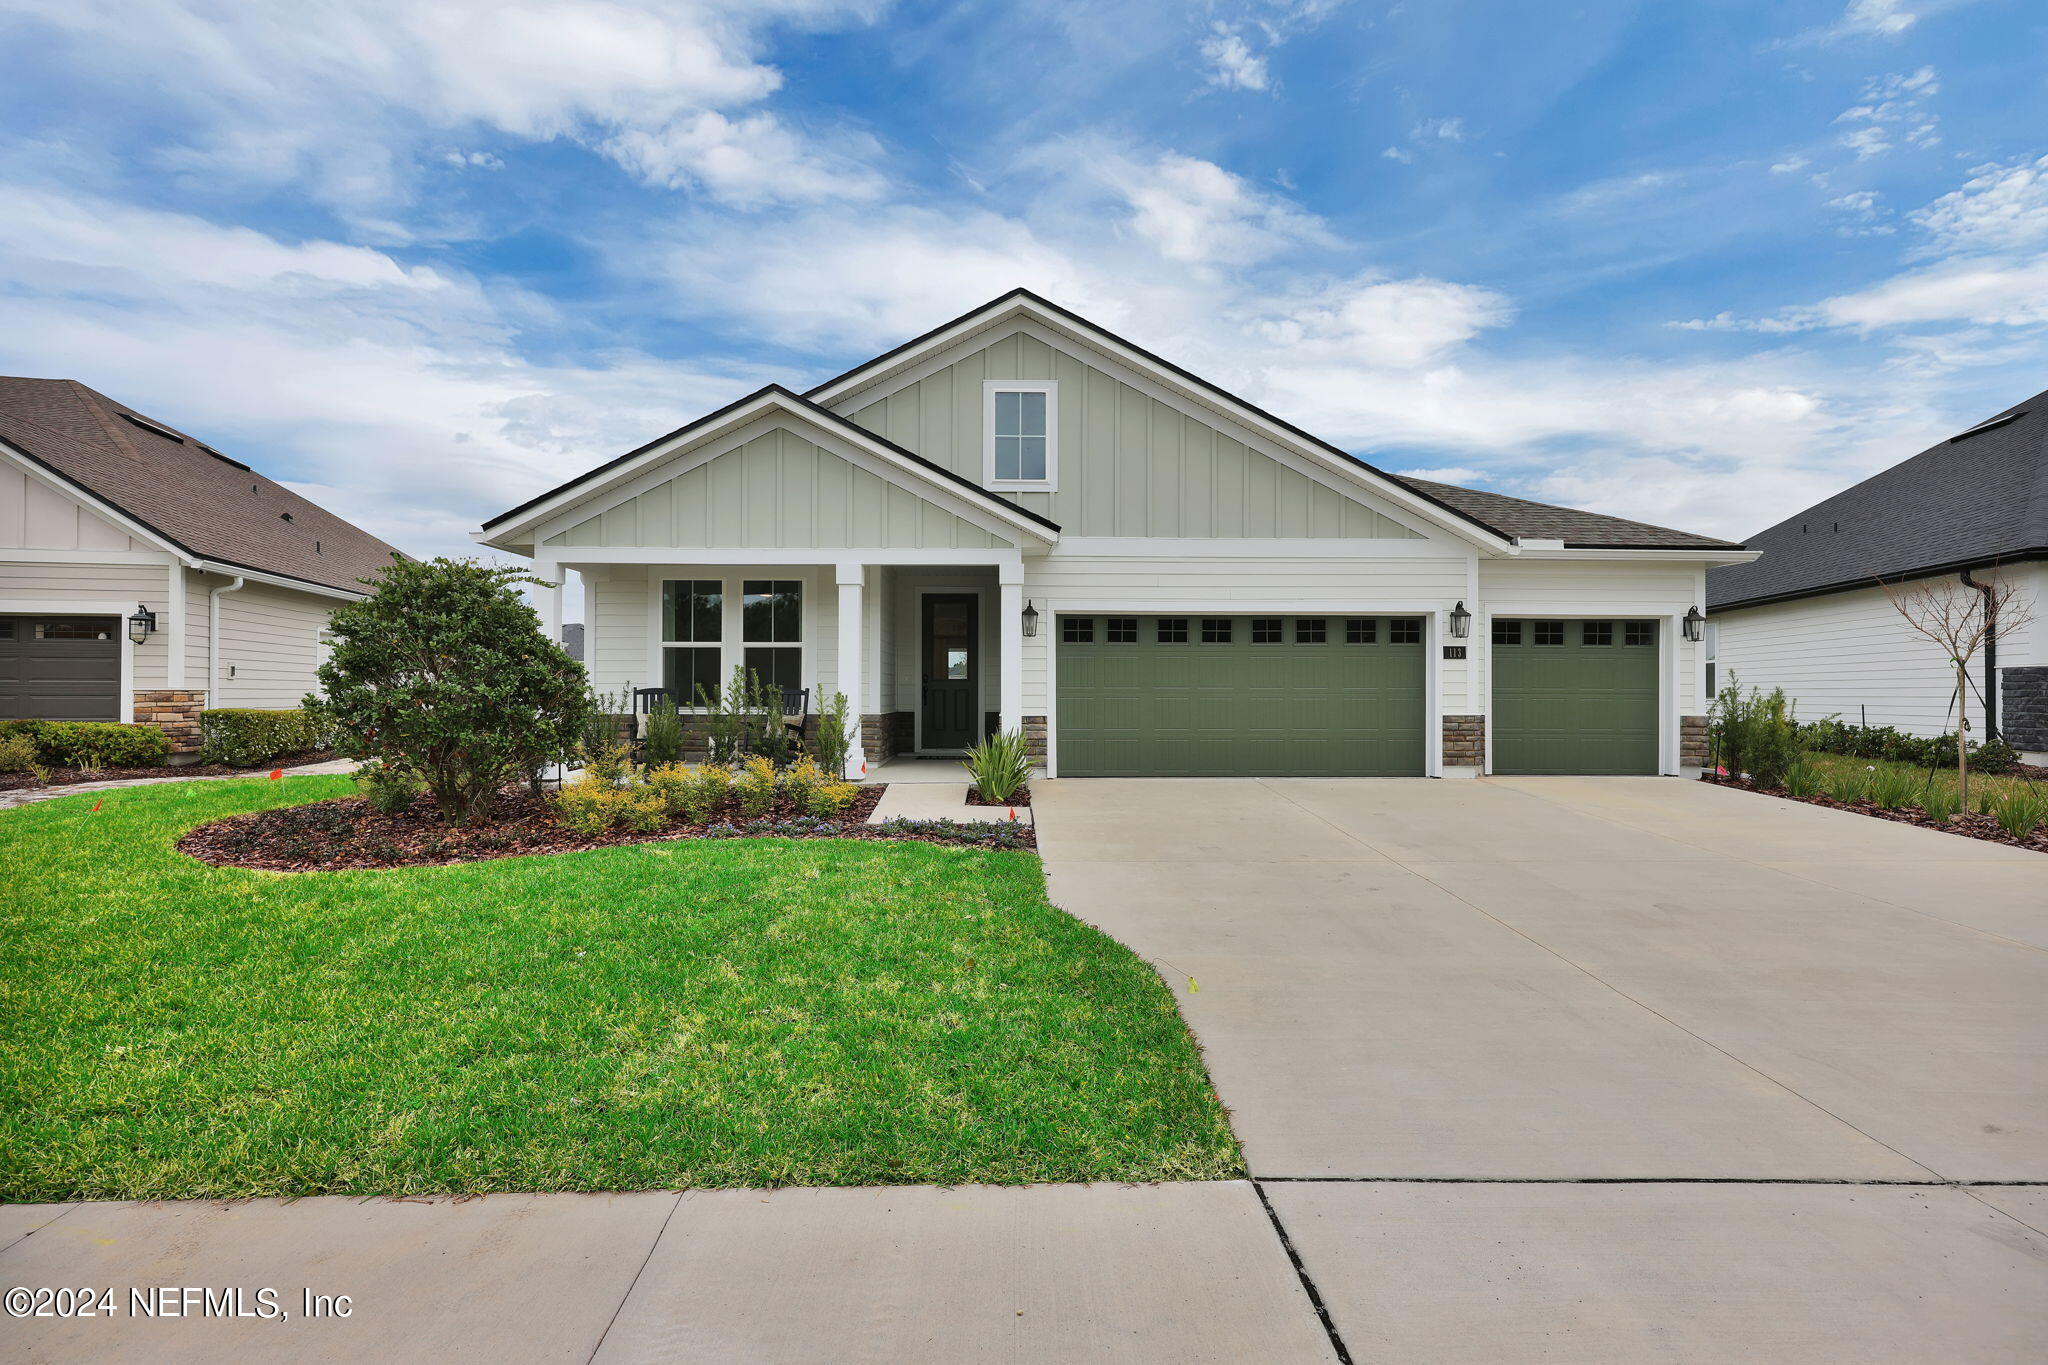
(1240, 696)
(1574, 696)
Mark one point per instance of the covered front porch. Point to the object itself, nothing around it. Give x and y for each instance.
(927, 646)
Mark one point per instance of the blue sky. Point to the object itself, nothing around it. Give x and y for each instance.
(1699, 263)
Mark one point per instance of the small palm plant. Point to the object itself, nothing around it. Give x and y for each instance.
(1000, 766)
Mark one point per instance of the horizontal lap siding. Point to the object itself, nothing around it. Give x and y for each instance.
(269, 646)
(112, 583)
(1129, 465)
(1850, 654)
(618, 611)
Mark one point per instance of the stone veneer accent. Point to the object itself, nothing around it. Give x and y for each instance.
(1034, 738)
(883, 735)
(2023, 708)
(175, 711)
(1692, 741)
(1464, 741)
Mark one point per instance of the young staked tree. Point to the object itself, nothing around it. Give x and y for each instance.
(444, 671)
(1959, 618)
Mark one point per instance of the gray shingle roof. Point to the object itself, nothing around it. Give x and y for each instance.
(1971, 500)
(211, 506)
(1544, 521)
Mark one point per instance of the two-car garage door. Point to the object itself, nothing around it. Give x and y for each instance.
(1241, 696)
(1313, 696)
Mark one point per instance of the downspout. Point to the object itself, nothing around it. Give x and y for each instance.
(1990, 655)
(213, 639)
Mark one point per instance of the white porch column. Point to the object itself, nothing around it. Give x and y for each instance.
(852, 670)
(1010, 656)
(548, 602)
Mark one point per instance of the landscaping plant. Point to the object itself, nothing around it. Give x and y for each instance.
(446, 670)
(835, 740)
(999, 766)
(1894, 788)
(1940, 802)
(754, 785)
(1754, 734)
(1959, 616)
(17, 754)
(1804, 779)
(243, 737)
(1848, 788)
(662, 741)
(91, 744)
(2020, 808)
(388, 787)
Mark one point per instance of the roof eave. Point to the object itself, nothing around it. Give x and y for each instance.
(2039, 552)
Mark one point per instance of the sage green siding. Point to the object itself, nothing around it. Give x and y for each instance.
(1149, 708)
(778, 491)
(1574, 707)
(1129, 465)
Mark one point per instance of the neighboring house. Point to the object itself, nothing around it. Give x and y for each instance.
(1022, 521)
(1812, 615)
(145, 576)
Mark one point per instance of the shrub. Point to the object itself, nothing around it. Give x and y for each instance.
(833, 797)
(1832, 735)
(708, 790)
(1894, 788)
(2019, 808)
(446, 671)
(610, 764)
(999, 765)
(1754, 734)
(755, 786)
(388, 787)
(801, 782)
(834, 739)
(639, 809)
(1804, 779)
(662, 743)
(244, 738)
(585, 805)
(98, 744)
(17, 754)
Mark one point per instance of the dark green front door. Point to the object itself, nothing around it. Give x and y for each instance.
(952, 670)
(1574, 696)
(1240, 696)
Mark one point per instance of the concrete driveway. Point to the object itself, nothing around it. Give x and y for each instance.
(1419, 997)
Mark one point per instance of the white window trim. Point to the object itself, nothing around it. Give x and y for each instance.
(1051, 389)
(732, 648)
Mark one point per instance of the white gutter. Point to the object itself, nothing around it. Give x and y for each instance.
(213, 638)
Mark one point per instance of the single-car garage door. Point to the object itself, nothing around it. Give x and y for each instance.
(1240, 696)
(60, 668)
(1574, 696)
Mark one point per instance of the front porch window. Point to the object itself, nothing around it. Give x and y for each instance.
(773, 629)
(692, 617)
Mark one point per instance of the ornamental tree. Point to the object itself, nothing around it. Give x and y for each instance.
(445, 671)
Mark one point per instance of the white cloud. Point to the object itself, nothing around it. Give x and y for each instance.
(1439, 130)
(1400, 154)
(1892, 107)
(340, 95)
(2000, 208)
(1371, 321)
(1789, 165)
(1887, 18)
(1196, 212)
(1232, 63)
(1455, 473)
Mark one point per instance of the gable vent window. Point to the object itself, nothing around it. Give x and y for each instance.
(1022, 422)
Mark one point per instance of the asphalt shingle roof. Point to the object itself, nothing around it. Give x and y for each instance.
(212, 506)
(1971, 500)
(1545, 521)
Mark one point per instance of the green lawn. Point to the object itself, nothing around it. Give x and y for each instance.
(744, 1012)
(1840, 765)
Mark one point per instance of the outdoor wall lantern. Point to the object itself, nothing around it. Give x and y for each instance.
(1695, 624)
(142, 624)
(1461, 622)
(1030, 620)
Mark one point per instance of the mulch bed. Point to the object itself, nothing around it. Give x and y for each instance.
(347, 834)
(1022, 798)
(1969, 826)
(68, 777)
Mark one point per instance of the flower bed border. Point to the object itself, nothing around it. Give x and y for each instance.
(421, 840)
(1963, 825)
(72, 777)
(1022, 800)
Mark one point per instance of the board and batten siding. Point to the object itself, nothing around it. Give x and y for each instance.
(1851, 654)
(95, 584)
(1153, 585)
(35, 516)
(1577, 589)
(776, 491)
(1128, 464)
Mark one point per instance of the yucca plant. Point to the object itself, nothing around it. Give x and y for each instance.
(999, 766)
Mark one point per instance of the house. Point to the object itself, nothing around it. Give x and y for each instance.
(145, 576)
(1022, 521)
(1812, 614)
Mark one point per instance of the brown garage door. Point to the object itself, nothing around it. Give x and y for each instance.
(60, 667)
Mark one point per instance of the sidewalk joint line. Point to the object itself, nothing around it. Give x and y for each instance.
(1308, 1284)
(652, 1246)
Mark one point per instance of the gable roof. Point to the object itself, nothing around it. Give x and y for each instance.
(180, 489)
(1979, 497)
(1495, 515)
(763, 398)
(1545, 521)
